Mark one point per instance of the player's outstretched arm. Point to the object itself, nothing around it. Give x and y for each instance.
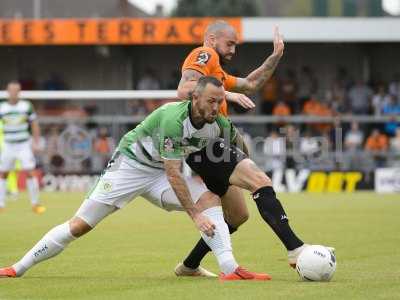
(178, 184)
(256, 79)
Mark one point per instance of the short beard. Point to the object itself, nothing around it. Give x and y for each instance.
(222, 60)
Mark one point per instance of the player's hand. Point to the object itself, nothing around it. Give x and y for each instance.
(240, 99)
(204, 224)
(279, 45)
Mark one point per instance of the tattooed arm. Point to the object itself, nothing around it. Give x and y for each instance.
(256, 79)
(187, 83)
(178, 184)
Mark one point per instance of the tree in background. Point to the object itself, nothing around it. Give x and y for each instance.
(226, 8)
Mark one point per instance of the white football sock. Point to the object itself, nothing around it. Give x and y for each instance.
(33, 189)
(3, 190)
(220, 243)
(50, 245)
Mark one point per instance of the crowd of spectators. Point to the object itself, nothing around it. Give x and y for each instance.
(290, 93)
(75, 149)
(353, 150)
(364, 145)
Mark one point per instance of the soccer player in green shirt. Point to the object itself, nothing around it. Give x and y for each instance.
(147, 163)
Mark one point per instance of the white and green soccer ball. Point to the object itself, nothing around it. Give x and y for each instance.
(316, 263)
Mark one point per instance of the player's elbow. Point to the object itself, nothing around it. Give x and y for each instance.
(250, 88)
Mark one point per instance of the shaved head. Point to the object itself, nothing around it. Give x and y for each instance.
(222, 37)
(218, 27)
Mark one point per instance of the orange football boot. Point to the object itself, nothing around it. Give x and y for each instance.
(8, 272)
(242, 274)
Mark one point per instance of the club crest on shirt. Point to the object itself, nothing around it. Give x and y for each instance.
(168, 145)
(203, 58)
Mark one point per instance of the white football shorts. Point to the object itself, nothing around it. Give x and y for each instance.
(125, 179)
(17, 151)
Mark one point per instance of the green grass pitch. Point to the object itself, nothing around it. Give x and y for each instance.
(131, 255)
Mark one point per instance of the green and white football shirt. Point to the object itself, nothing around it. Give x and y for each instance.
(16, 119)
(167, 133)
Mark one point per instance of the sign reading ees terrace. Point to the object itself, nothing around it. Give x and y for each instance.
(106, 31)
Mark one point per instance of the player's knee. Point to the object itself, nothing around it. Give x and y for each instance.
(208, 200)
(260, 180)
(78, 227)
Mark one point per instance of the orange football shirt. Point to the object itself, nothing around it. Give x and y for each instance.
(206, 61)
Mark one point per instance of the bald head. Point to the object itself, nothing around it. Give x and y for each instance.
(218, 27)
(222, 37)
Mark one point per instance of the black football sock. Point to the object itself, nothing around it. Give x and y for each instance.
(199, 251)
(274, 215)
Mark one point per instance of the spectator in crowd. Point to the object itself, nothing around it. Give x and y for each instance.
(353, 143)
(343, 78)
(103, 147)
(308, 84)
(281, 109)
(394, 86)
(314, 107)
(395, 142)
(376, 146)
(308, 148)
(53, 159)
(359, 98)
(288, 91)
(391, 108)
(336, 96)
(379, 100)
(311, 106)
(354, 138)
(269, 95)
(275, 152)
(137, 107)
(149, 81)
(324, 111)
(395, 148)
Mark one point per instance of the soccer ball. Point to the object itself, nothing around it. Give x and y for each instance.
(316, 263)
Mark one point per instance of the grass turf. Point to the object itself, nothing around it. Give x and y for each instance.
(131, 255)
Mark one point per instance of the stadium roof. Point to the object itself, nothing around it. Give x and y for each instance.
(69, 9)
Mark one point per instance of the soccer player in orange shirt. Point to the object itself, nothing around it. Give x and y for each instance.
(219, 46)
